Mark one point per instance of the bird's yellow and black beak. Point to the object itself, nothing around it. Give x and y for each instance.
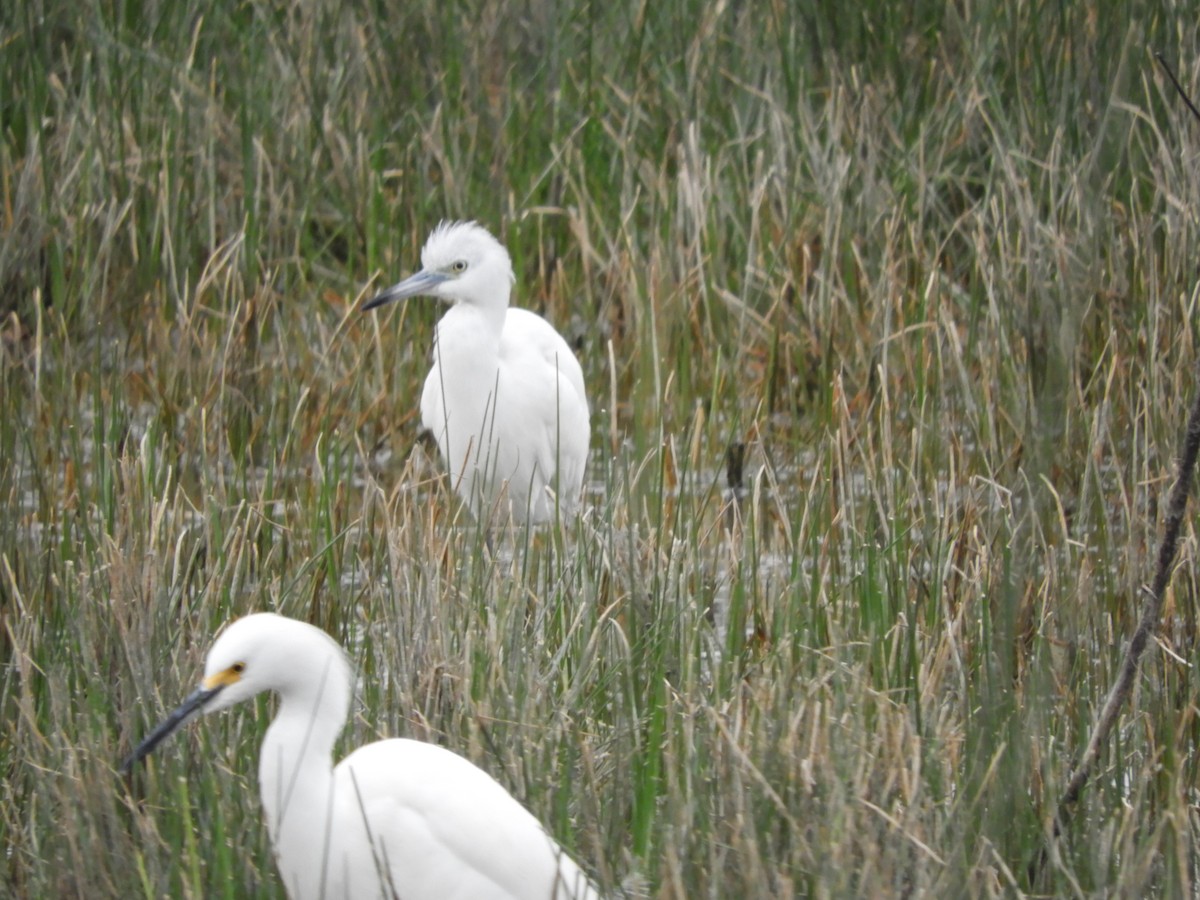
(185, 712)
(421, 283)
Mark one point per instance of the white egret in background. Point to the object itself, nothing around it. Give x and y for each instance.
(505, 397)
(396, 818)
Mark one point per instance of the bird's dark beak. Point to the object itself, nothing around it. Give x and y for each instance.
(421, 283)
(189, 709)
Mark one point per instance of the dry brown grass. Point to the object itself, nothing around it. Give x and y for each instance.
(935, 270)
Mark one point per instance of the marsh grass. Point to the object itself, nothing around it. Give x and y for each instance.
(934, 266)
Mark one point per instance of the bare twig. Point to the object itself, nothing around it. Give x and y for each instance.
(1178, 87)
(1151, 610)
(1177, 506)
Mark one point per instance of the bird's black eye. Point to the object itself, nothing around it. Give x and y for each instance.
(238, 668)
(459, 266)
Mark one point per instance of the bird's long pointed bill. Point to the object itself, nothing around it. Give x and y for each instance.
(420, 283)
(187, 710)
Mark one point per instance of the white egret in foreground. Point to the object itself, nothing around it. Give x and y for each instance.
(396, 818)
(505, 397)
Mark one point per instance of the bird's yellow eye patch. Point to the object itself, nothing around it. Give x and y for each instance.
(460, 266)
(225, 677)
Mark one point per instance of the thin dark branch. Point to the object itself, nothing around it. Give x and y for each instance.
(1151, 610)
(1176, 507)
(1178, 87)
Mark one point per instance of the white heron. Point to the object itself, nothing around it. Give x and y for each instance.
(396, 818)
(505, 398)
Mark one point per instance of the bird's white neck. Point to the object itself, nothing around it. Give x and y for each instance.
(468, 336)
(484, 319)
(295, 773)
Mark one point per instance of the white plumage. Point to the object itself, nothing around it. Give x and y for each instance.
(396, 818)
(505, 398)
